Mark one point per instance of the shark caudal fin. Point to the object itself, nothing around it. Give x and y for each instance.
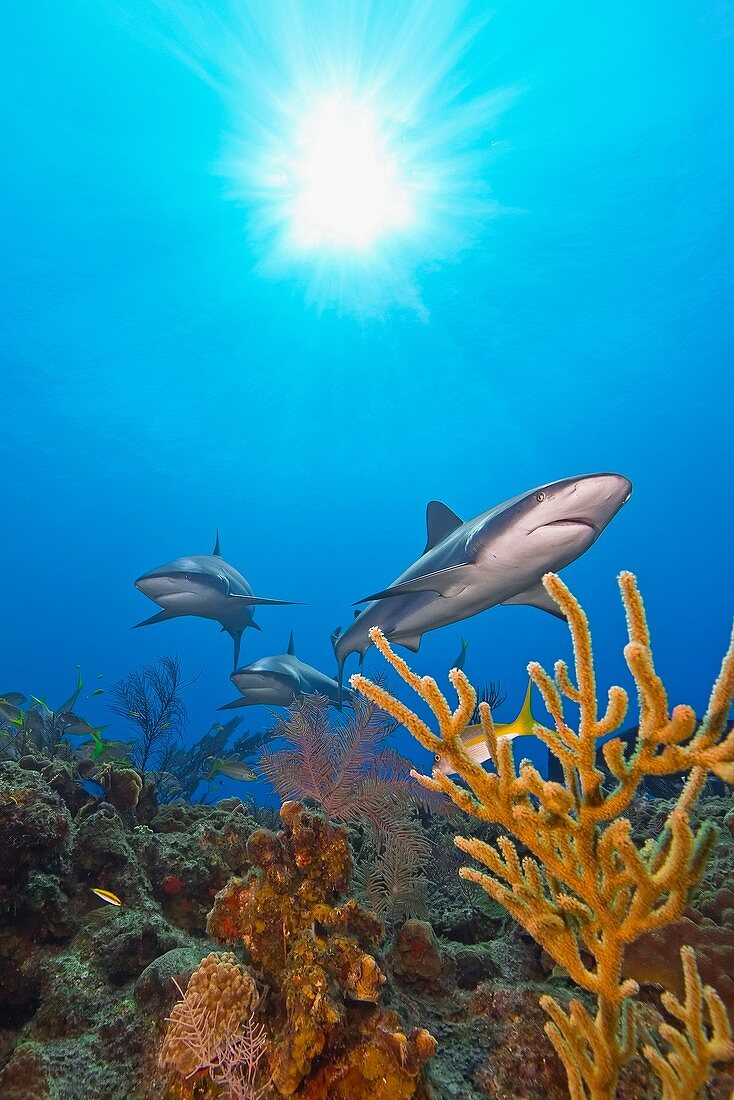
(461, 659)
(339, 667)
(236, 636)
(160, 617)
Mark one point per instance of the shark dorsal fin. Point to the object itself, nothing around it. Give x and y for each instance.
(216, 551)
(291, 651)
(440, 522)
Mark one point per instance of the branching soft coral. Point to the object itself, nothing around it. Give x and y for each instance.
(349, 768)
(684, 1070)
(586, 891)
(212, 1029)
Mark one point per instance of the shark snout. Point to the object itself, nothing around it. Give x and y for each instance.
(154, 584)
(591, 501)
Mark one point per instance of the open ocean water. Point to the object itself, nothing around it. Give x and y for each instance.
(213, 318)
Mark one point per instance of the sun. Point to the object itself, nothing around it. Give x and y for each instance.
(347, 190)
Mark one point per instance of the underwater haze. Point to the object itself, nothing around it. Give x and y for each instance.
(546, 291)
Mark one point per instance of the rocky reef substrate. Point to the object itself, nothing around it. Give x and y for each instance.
(445, 1007)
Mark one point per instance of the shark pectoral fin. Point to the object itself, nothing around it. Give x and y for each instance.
(234, 704)
(536, 597)
(160, 617)
(440, 522)
(445, 582)
(260, 599)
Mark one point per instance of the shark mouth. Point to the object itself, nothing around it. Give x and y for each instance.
(571, 521)
(575, 521)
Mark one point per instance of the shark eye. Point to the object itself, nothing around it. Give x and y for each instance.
(187, 576)
(540, 497)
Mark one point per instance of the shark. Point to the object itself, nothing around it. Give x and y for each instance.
(280, 680)
(207, 586)
(499, 557)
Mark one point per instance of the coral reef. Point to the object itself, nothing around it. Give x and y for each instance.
(328, 1035)
(586, 891)
(84, 986)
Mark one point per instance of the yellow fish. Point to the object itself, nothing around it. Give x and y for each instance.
(474, 741)
(106, 895)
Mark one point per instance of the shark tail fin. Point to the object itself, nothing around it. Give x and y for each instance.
(236, 636)
(339, 667)
(461, 659)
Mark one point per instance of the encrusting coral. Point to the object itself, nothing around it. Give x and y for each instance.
(587, 890)
(329, 1037)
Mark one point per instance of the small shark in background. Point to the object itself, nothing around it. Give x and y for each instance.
(474, 740)
(280, 680)
(498, 557)
(206, 586)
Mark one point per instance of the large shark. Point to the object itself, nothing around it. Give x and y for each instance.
(280, 680)
(497, 558)
(207, 586)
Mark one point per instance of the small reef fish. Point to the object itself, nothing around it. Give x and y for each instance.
(499, 557)
(232, 769)
(79, 727)
(106, 895)
(207, 586)
(111, 750)
(92, 787)
(10, 704)
(474, 741)
(280, 680)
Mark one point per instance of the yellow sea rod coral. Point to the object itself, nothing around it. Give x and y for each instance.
(586, 890)
(220, 997)
(683, 1071)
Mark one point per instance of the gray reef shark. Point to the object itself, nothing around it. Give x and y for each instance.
(280, 680)
(497, 558)
(206, 586)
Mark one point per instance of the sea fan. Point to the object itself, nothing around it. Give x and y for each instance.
(391, 880)
(348, 769)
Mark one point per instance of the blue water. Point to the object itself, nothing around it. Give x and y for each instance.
(168, 369)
